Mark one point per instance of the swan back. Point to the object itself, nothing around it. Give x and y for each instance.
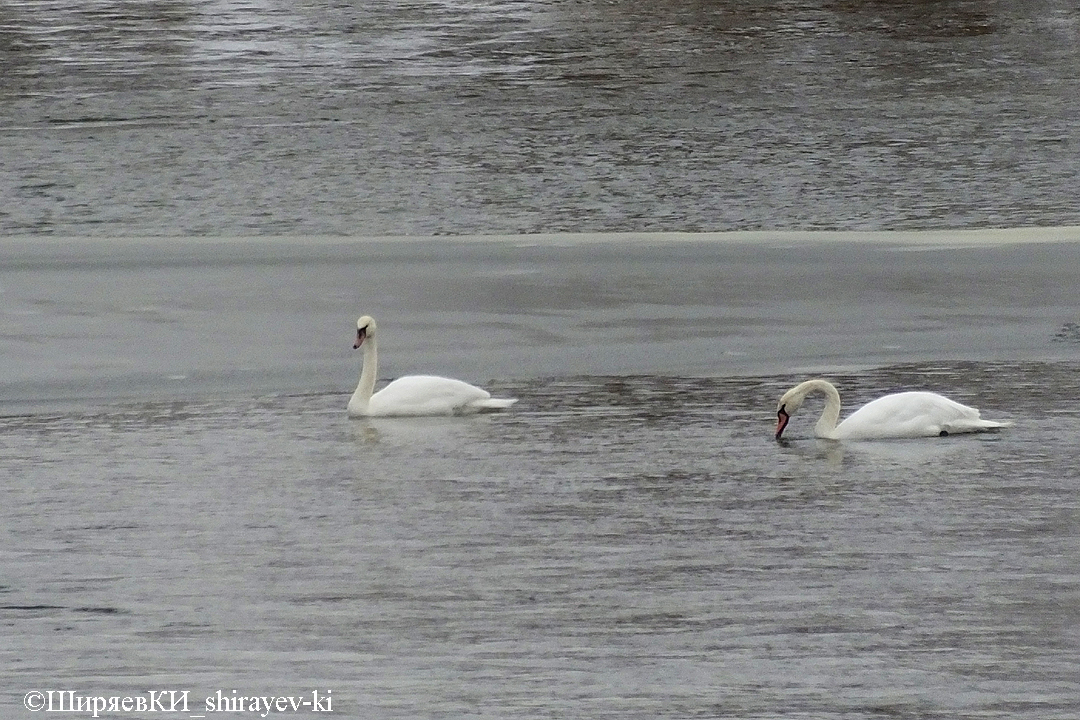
(912, 414)
(432, 395)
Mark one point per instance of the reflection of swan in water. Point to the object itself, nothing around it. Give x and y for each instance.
(901, 453)
(413, 394)
(419, 433)
(901, 415)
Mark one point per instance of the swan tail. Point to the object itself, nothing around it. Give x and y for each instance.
(995, 424)
(975, 425)
(488, 404)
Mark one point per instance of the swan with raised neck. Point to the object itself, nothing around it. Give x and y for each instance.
(412, 394)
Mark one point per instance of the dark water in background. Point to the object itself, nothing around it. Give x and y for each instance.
(516, 116)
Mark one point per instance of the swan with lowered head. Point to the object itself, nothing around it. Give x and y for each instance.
(412, 394)
(900, 415)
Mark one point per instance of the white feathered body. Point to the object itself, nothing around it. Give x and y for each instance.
(911, 414)
(415, 395)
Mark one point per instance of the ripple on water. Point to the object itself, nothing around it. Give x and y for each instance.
(614, 546)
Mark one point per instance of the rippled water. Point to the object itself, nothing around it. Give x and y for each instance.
(443, 117)
(631, 547)
(184, 505)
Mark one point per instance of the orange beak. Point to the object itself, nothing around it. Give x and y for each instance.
(781, 422)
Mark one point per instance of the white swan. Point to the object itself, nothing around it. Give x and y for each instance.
(412, 394)
(901, 415)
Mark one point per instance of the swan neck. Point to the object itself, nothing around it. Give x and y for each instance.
(826, 424)
(368, 372)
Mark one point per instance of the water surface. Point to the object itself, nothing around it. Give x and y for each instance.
(222, 117)
(620, 546)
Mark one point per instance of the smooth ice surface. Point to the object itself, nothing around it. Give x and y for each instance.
(85, 319)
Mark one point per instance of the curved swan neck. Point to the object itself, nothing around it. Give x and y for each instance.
(826, 424)
(368, 372)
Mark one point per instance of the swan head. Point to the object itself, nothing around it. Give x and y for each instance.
(365, 329)
(789, 403)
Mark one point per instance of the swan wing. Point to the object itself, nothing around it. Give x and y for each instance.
(433, 395)
(912, 414)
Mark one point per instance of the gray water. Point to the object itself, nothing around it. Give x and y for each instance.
(433, 117)
(617, 547)
(185, 507)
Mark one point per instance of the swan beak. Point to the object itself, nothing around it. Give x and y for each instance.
(781, 422)
(361, 336)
